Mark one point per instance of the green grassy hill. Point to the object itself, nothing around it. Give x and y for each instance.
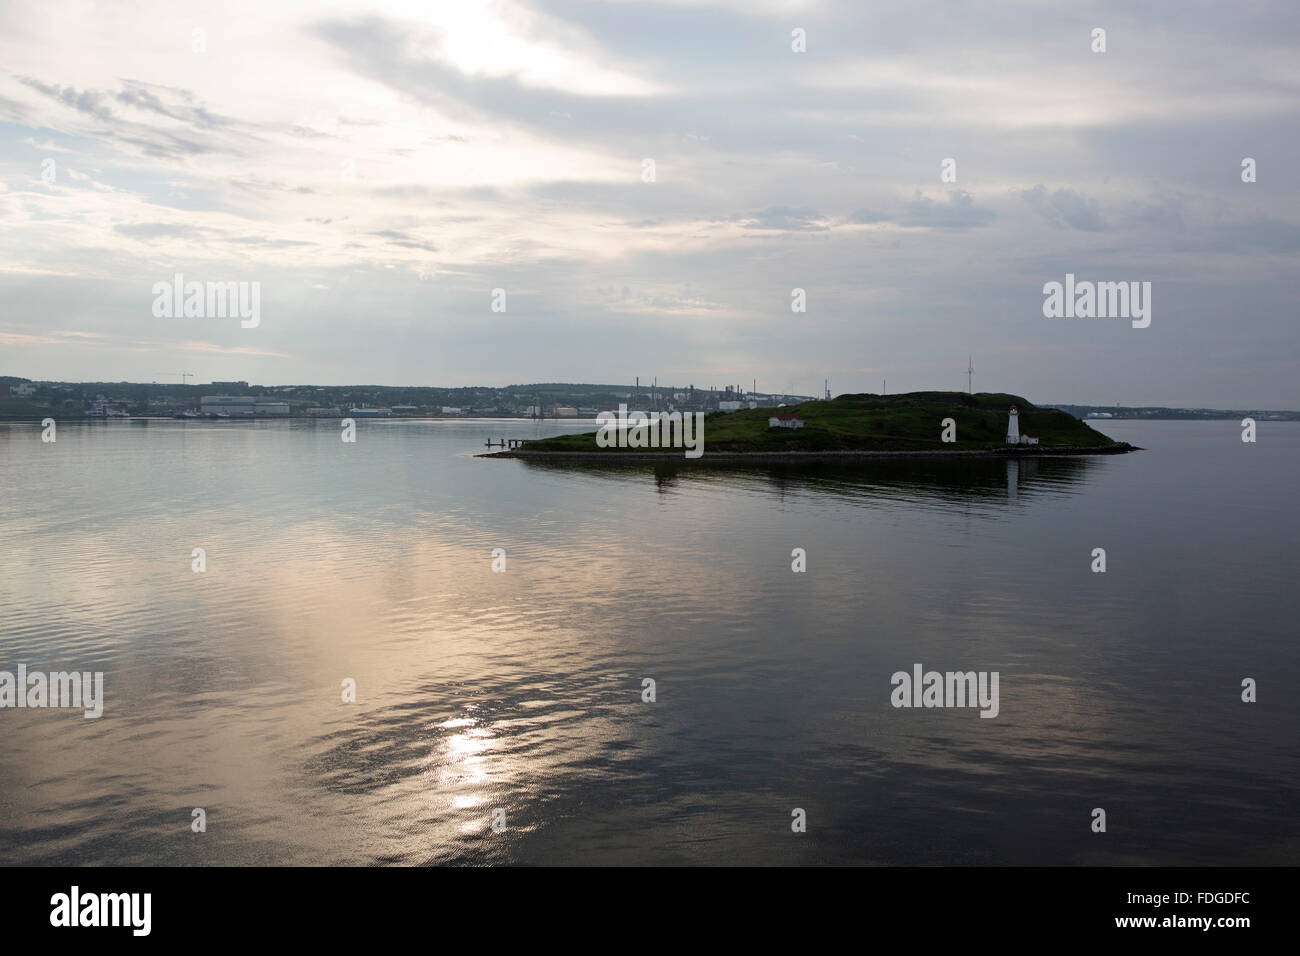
(911, 421)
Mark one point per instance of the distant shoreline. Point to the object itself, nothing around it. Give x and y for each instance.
(297, 418)
(740, 457)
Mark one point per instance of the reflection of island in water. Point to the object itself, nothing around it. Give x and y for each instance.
(984, 479)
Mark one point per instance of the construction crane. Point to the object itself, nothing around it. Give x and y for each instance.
(181, 375)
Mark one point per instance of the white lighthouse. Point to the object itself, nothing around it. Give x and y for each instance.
(1013, 427)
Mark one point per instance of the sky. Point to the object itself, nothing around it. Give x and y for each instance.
(379, 169)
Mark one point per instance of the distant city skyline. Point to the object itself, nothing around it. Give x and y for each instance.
(220, 386)
(918, 173)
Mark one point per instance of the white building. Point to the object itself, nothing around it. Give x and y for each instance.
(730, 406)
(25, 389)
(1013, 431)
(227, 404)
(785, 421)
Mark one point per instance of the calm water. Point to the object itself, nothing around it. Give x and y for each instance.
(522, 690)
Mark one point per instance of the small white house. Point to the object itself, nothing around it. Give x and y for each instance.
(785, 421)
(1028, 440)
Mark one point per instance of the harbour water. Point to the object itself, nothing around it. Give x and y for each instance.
(522, 690)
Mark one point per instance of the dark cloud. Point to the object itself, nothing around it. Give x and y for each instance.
(958, 212)
(142, 96)
(90, 102)
(1065, 208)
(405, 240)
(150, 140)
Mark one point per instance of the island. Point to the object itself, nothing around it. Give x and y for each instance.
(866, 426)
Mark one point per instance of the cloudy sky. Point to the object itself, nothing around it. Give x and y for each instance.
(380, 167)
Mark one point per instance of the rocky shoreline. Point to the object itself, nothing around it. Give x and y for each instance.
(747, 457)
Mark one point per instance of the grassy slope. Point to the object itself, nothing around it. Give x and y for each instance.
(906, 422)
